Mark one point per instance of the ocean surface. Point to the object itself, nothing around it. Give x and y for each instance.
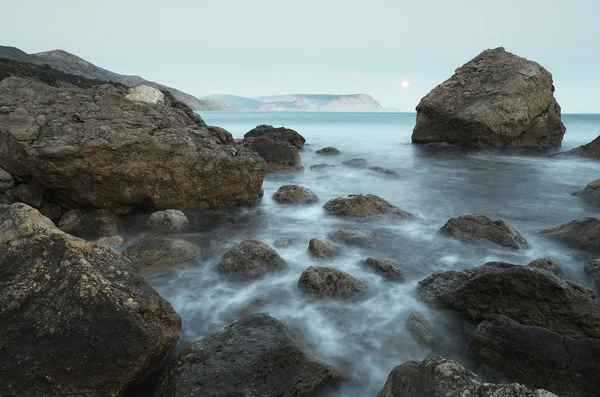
(367, 338)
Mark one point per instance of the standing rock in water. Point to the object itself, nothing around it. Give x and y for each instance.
(277, 134)
(94, 224)
(322, 281)
(6, 181)
(328, 151)
(250, 259)
(169, 220)
(294, 194)
(582, 233)
(591, 192)
(538, 357)
(156, 254)
(386, 268)
(278, 155)
(441, 377)
(497, 99)
(546, 264)
(483, 228)
(589, 150)
(356, 163)
(321, 249)
(76, 319)
(94, 148)
(422, 331)
(364, 206)
(360, 237)
(254, 356)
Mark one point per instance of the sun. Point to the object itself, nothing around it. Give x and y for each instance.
(405, 84)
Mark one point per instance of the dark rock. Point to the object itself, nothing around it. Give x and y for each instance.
(279, 155)
(277, 134)
(420, 329)
(294, 194)
(439, 145)
(527, 295)
(112, 241)
(483, 104)
(94, 224)
(384, 171)
(364, 206)
(52, 211)
(592, 268)
(590, 150)
(250, 259)
(156, 254)
(441, 377)
(254, 356)
(582, 233)
(283, 243)
(321, 249)
(546, 264)
(321, 281)
(328, 151)
(168, 220)
(222, 134)
(6, 181)
(386, 268)
(591, 192)
(360, 237)
(26, 194)
(539, 358)
(321, 166)
(477, 228)
(356, 163)
(76, 319)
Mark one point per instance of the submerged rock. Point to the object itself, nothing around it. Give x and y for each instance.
(254, 356)
(294, 194)
(328, 151)
(156, 254)
(356, 163)
(6, 181)
(76, 319)
(278, 155)
(591, 192)
(322, 281)
(168, 220)
(283, 243)
(582, 233)
(321, 166)
(386, 268)
(420, 329)
(93, 225)
(384, 171)
(250, 259)
(539, 358)
(482, 228)
(441, 377)
(321, 249)
(360, 237)
(277, 134)
(546, 264)
(364, 206)
(497, 99)
(527, 295)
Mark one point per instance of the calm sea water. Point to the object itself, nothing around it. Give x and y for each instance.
(367, 338)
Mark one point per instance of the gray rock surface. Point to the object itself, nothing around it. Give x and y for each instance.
(321, 249)
(497, 99)
(294, 194)
(480, 228)
(364, 206)
(277, 134)
(92, 225)
(168, 220)
(591, 192)
(581, 233)
(250, 259)
(321, 166)
(6, 181)
(26, 194)
(546, 264)
(386, 268)
(157, 254)
(589, 150)
(279, 155)
(359, 237)
(329, 150)
(322, 281)
(592, 268)
(283, 243)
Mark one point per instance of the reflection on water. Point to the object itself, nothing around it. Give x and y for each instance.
(367, 338)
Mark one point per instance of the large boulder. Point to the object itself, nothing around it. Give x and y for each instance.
(441, 377)
(528, 295)
(93, 147)
(322, 281)
(359, 237)
(278, 155)
(92, 225)
(294, 194)
(478, 228)
(168, 220)
(497, 99)
(539, 358)
(157, 254)
(277, 134)
(250, 259)
(591, 192)
(254, 356)
(76, 319)
(6, 181)
(321, 249)
(582, 233)
(385, 267)
(364, 206)
(590, 150)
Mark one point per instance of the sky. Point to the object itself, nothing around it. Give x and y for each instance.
(396, 51)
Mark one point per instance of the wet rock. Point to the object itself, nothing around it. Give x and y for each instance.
(117, 153)
(359, 237)
(321, 249)
(76, 319)
(322, 281)
(356, 163)
(328, 151)
(546, 264)
(321, 166)
(92, 225)
(277, 134)
(294, 194)
(590, 150)
(384, 171)
(283, 243)
(168, 220)
(592, 268)
(539, 358)
(26, 194)
(441, 377)
(386, 268)
(279, 155)
(255, 356)
(478, 228)
(591, 192)
(157, 255)
(482, 105)
(6, 181)
(53, 211)
(420, 329)
(112, 241)
(250, 259)
(364, 206)
(524, 294)
(582, 233)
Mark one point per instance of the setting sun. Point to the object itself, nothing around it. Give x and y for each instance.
(405, 84)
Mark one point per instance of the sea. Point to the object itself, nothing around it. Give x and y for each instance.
(366, 338)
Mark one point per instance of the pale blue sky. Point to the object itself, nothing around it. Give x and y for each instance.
(264, 47)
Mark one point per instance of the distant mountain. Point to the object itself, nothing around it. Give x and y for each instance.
(72, 64)
(321, 103)
(237, 102)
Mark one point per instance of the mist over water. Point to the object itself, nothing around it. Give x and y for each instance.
(367, 338)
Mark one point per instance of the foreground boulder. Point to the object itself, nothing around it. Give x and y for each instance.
(538, 357)
(582, 233)
(278, 155)
(250, 259)
(590, 150)
(254, 356)
(322, 281)
(364, 206)
(421, 330)
(277, 134)
(100, 149)
(168, 220)
(359, 237)
(532, 297)
(294, 194)
(385, 268)
(591, 192)
(76, 319)
(92, 225)
(156, 254)
(497, 99)
(478, 228)
(321, 249)
(441, 377)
